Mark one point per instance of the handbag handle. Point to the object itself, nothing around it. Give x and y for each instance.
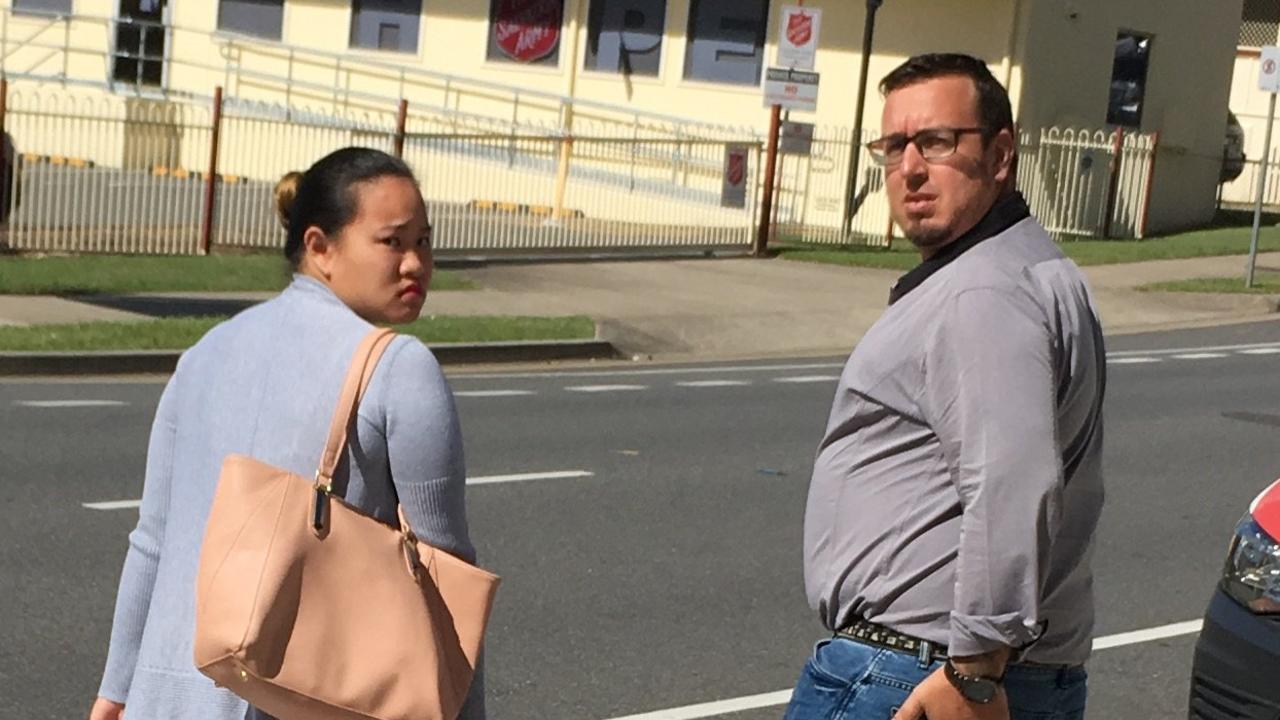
(363, 363)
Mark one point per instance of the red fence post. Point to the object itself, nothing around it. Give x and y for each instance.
(211, 179)
(770, 168)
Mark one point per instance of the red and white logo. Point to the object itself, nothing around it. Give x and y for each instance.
(528, 30)
(799, 28)
(737, 169)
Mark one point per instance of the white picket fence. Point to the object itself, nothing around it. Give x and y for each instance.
(106, 173)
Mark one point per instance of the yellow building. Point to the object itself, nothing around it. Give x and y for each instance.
(619, 66)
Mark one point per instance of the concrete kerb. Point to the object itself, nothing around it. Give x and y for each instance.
(135, 362)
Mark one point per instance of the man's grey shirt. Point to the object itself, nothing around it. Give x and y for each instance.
(957, 489)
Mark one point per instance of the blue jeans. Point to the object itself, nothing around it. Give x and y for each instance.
(847, 680)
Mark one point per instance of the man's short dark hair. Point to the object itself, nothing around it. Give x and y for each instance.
(994, 110)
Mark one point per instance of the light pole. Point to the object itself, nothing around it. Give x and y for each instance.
(855, 149)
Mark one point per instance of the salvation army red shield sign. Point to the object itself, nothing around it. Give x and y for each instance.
(800, 28)
(527, 30)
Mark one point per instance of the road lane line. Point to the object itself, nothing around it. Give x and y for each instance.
(1260, 351)
(1132, 360)
(711, 368)
(492, 393)
(808, 379)
(782, 697)
(606, 388)
(114, 505)
(479, 480)
(1140, 636)
(1200, 356)
(713, 383)
(1209, 348)
(524, 477)
(70, 403)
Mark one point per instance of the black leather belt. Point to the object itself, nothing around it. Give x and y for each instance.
(881, 636)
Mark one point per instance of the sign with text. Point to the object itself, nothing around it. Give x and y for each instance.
(798, 37)
(792, 89)
(796, 138)
(733, 193)
(527, 30)
(1269, 69)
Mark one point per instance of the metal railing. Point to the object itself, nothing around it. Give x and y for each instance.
(1078, 182)
(169, 60)
(119, 174)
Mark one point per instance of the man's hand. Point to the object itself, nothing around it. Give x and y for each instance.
(104, 709)
(936, 699)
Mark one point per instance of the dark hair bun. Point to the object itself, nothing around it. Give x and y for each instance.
(285, 193)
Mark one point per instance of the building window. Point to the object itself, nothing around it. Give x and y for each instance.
(726, 40)
(44, 7)
(386, 24)
(259, 18)
(625, 36)
(142, 40)
(1129, 79)
(525, 31)
(1260, 24)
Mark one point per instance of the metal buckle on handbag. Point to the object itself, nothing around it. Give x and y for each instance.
(320, 508)
(881, 636)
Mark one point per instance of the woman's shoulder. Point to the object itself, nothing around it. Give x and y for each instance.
(408, 357)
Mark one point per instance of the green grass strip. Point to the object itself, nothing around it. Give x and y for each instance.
(1197, 243)
(181, 333)
(1264, 283)
(122, 274)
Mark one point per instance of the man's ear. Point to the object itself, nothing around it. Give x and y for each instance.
(318, 249)
(1003, 151)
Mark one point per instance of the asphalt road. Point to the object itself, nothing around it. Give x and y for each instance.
(671, 575)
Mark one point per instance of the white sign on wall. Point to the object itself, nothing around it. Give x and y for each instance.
(792, 89)
(798, 37)
(1269, 69)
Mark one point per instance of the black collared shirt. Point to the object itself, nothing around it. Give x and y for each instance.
(1009, 210)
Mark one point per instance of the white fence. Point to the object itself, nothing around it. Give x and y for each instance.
(1079, 183)
(104, 173)
(110, 174)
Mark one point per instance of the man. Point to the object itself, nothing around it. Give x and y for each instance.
(954, 498)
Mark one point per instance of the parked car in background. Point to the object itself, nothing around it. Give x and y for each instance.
(1236, 671)
(1232, 150)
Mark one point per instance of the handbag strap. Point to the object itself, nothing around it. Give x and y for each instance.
(363, 363)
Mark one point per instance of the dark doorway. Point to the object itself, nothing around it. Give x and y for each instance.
(141, 37)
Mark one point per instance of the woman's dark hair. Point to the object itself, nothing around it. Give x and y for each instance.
(325, 195)
(994, 111)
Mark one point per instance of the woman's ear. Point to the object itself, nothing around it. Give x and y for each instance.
(318, 250)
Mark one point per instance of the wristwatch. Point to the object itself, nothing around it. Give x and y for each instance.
(975, 689)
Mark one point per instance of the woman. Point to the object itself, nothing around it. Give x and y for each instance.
(265, 384)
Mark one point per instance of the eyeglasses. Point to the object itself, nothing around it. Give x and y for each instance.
(933, 144)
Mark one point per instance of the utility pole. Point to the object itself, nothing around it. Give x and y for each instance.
(855, 145)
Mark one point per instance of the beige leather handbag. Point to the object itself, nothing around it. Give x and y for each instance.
(309, 609)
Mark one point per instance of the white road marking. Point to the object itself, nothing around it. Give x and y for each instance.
(1200, 356)
(523, 477)
(1179, 351)
(606, 388)
(1140, 636)
(479, 480)
(70, 403)
(1261, 351)
(713, 383)
(492, 393)
(782, 697)
(114, 505)
(1132, 360)
(807, 379)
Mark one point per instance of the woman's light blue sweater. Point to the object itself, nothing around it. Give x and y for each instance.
(265, 384)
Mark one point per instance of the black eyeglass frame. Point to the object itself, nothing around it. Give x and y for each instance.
(878, 154)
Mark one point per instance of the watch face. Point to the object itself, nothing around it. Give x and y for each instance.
(980, 691)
